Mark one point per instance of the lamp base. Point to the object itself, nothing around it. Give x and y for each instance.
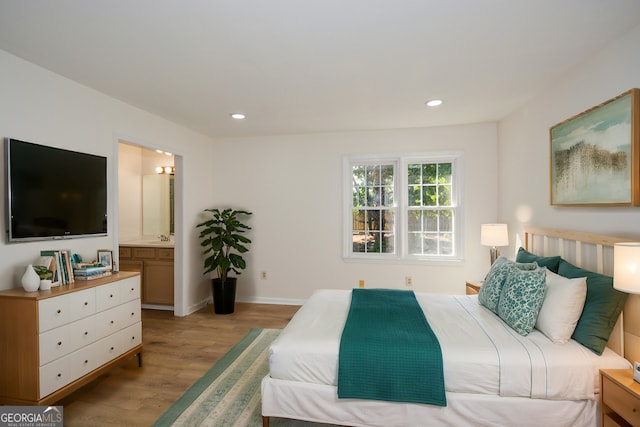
(495, 253)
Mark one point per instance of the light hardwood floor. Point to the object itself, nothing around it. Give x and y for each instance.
(177, 351)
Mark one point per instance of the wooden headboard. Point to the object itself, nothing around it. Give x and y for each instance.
(592, 252)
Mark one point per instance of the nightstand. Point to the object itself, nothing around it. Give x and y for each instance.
(619, 398)
(474, 287)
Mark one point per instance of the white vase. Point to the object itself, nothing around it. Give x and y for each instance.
(45, 285)
(30, 279)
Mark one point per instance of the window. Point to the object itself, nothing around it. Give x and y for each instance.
(402, 207)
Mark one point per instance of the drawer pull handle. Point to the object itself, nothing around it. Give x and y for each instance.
(133, 338)
(59, 343)
(132, 289)
(112, 322)
(111, 296)
(132, 313)
(59, 375)
(59, 311)
(86, 361)
(86, 303)
(86, 333)
(111, 348)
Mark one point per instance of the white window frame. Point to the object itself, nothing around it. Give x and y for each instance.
(401, 179)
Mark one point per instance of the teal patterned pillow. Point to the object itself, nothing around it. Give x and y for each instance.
(491, 289)
(489, 294)
(522, 298)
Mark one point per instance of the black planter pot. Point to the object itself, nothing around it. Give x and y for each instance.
(224, 295)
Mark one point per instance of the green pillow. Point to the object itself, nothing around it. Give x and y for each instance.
(601, 308)
(551, 262)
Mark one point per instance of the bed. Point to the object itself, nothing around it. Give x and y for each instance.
(493, 374)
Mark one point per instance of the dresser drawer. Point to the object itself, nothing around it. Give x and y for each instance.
(107, 296)
(66, 339)
(63, 309)
(67, 369)
(130, 289)
(620, 401)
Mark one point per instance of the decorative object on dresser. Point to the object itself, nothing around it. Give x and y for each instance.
(57, 341)
(594, 155)
(224, 242)
(494, 235)
(30, 279)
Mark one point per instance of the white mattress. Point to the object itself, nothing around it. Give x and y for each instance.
(481, 354)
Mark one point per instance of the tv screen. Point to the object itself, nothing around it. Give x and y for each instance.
(54, 193)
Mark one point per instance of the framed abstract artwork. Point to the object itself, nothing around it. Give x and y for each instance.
(595, 156)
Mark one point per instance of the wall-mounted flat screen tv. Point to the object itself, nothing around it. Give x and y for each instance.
(53, 193)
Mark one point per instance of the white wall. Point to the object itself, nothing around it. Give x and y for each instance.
(293, 186)
(42, 107)
(524, 147)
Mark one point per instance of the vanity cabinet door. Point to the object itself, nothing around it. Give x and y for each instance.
(158, 282)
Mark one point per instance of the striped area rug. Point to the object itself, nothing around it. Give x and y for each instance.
(229, 393)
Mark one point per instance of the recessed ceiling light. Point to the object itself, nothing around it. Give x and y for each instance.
(238, 116)
(434, 102)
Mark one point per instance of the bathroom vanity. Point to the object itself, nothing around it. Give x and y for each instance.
(154, 261)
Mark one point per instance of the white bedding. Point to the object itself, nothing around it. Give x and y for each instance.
(481, 354)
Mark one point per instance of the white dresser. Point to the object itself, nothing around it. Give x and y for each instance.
(54, 342)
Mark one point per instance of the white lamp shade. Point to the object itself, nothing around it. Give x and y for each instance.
(626, 267)
(494, 235)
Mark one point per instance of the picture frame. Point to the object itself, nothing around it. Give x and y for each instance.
(595, 155)
(105, 257)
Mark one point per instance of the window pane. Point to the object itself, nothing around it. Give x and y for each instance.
(444, 195)
(387, 175)
(430, 221)
(358, 242)
(387, 220)
(444, 173)
(373, 196)
(373, 175)
(414, 195)
(387, 196)
(429, 196)
(414, 174)
(373, 220)
(430, 244)
(415, 243)
(446, 221)
(429, 173)
(358, 219)
(446, 244)
(389, 246)
(414, 220)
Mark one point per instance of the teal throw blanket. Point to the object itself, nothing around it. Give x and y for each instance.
(388, 350)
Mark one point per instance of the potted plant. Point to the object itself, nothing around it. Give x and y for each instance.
(222, 237)
(45, 276)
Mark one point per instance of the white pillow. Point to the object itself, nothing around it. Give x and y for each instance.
(562, 307)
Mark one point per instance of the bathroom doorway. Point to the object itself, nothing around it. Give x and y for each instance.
(147, 222)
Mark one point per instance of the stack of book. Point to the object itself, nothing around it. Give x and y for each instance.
(59, 263)
(90, 271)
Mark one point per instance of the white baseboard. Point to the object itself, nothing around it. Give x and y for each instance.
(278, 301)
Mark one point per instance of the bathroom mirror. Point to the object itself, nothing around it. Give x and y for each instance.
(157, 205)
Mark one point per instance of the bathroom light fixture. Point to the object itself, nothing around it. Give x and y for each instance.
(166, 170)
(238, 116)
(434, 102)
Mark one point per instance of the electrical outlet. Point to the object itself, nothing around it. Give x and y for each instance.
(263, 275)
(361, 283)
(408, 281)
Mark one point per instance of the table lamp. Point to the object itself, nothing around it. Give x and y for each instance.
(626, 276)
(494, 235)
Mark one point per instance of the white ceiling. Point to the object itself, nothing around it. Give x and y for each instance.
(299, 66)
